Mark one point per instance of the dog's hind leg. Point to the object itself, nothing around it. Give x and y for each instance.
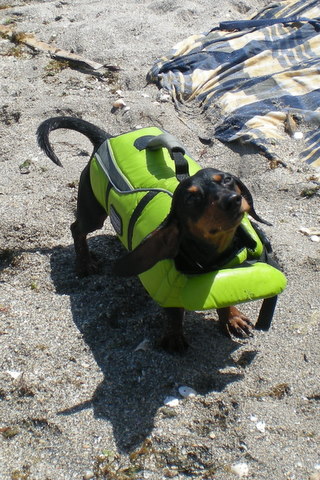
(90, 216)
(173, 340)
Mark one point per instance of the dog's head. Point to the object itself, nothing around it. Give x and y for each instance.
(206, 209)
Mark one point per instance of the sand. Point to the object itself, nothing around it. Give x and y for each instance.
(77, 399)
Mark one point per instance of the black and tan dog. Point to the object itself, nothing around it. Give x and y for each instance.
(201, 228)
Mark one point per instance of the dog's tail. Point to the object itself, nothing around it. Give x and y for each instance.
(95, 134)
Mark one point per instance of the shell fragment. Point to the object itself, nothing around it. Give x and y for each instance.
(240, 469)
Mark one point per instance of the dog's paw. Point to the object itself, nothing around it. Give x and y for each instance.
(236, 324)
(240, 326)
(174, 343)
(88, 267)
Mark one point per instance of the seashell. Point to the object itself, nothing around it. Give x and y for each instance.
(171, 401)
(14, 374)
(164, 97)
(261, 426)
(144, 345)
(240, 469)
(119, 103)
(315, 238)
(187, 392)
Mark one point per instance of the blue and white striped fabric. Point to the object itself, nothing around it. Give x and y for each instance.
(253, 77)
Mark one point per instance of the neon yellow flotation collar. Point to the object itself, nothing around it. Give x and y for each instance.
(135, 188)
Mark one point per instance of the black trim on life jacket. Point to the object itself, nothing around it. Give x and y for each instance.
(136, 214)
(109, 188)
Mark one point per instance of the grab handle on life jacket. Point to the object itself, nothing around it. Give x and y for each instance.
(174, 147)
(165, 140)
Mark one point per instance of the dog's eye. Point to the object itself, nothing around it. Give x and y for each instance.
(227, 180)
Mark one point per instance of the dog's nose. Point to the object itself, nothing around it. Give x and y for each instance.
(231, 202)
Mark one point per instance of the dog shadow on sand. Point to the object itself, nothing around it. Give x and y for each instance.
(115, 316)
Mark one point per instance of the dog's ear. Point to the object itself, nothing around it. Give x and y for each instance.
(247, 195)
(162, 243)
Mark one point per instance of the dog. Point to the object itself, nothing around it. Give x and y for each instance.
(201, 229)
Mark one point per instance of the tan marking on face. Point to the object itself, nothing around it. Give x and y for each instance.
(193, 189)
(245, 207)
(215, 219)
(222, 240)
(216, 178)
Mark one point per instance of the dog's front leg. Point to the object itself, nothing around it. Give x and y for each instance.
(233, 322)
(173, 339)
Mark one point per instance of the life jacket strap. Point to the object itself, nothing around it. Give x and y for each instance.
(136, 214)
(266, 313)
(269, 304)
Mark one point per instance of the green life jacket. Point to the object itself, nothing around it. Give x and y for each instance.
(135, 187)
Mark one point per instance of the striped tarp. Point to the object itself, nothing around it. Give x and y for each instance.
(256, 80)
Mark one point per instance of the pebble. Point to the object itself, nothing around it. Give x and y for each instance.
(261, 426)
(88, 475)
(298, 135)
(187, 392)
(171, 401)
(14, 374)
(164, 97)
